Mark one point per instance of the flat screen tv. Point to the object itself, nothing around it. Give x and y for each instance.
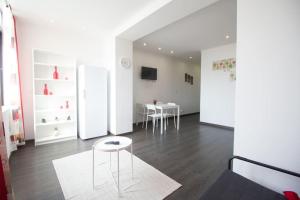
(149, 73)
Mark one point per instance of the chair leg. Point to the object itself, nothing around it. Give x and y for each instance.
(147, 122)
(143, 121)
(153, 121)
(174, 121)
(167, 120)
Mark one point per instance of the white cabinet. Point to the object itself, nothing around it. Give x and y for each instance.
(55, 110)
(92, 101)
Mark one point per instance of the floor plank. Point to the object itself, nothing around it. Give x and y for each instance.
(195, 156)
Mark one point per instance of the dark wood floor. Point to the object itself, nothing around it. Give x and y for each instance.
(194, 157)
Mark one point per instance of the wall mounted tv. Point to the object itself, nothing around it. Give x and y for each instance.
(149, 73)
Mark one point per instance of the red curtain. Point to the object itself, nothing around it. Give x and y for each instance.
(17, 52)
(11, 78)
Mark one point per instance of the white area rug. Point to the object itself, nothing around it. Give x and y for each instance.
(75, 177)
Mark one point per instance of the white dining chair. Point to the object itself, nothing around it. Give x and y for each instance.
(151, 113)
(140, 113)
(171, 113)
(157, 104)
(158, 111)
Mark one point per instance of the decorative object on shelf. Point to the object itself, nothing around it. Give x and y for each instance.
(44, 120)
(66, 78)
(45, 89)
(56, 119)
(56, 132)
(61, 107)
(69, 117)
(55, 73)
(50, 93)
(154, 101)
(67, 104)
(227, 65)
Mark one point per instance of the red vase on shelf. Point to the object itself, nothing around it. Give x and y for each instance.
(55, 73)
(45, 89)
(67, 104)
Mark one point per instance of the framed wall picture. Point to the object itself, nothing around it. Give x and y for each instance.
(189, 79)
(226, 65)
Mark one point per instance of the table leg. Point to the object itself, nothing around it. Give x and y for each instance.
(178, 117)
(110, 160)
(161, 121)
(166, 122)
(131, 163)
(118, 175)
(93, 170)
(143, 117)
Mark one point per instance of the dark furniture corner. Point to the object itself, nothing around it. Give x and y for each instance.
(232, 186)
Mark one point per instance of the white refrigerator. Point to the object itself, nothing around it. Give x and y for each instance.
(92, 101)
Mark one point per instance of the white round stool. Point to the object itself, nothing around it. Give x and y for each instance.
(102, 145)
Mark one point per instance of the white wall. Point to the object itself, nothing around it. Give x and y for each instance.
(86, 49)
(121, 89)
(267, 126)
(170, 85)
(217, 89)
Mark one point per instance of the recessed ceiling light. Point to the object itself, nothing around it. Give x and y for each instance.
(83, 28)
(51, 21)
(227, 36)
(159, 48)
(145, 44)
(190, 57)
(172, 52)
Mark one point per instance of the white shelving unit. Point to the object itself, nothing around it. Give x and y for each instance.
(53, 121)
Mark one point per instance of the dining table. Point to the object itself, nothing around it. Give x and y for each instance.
(164, 107)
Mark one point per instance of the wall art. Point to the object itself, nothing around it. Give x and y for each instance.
(227, 65)
(188, 79)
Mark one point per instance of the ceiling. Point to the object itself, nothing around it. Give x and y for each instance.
(83, 15)
(187, 37)
(203, 29)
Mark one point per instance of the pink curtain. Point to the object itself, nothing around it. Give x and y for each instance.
(11, 78)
